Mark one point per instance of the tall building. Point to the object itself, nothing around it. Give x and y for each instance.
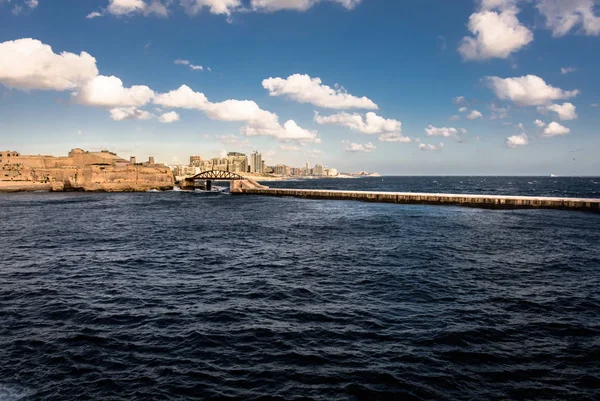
(237, 162)
(256, 164)
(318, 170)
(195, 161)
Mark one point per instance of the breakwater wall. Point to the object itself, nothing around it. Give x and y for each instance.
(483, 201)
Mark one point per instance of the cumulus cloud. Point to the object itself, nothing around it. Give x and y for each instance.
(515, 141)
(106, 91)
(555, 129)
(529, 90)
(539, 123)
(496, 31)
(259, 122)
(225, 7)
(446, 132)
(394, 137)
(94, 14)
(358, 147)
(129, 113)
(567, 70)
(474, 114)
(304, 89)
(371, 124)
(30, 64)
(298, 5)
(430, 148)
(169, 117)
(182, 98)
(462, 109)
(132, 7)
(564, 16)
(565, 112)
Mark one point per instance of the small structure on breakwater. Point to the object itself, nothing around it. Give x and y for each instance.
(484, 201)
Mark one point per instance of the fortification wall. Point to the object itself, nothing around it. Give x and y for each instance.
(88, 171)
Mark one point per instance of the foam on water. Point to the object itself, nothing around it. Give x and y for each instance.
(14, 392)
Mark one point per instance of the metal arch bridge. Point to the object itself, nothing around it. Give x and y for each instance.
(215, 175)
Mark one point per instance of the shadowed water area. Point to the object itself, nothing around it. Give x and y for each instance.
(181, 295)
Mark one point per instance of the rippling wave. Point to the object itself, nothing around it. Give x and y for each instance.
(173, 295)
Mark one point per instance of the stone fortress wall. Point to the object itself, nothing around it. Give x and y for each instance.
(81, 170)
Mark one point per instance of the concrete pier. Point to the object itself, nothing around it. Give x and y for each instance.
(484, 201)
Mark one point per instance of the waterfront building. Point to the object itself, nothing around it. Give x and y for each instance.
(237, 162)
(318, 170)
(256, 165)
(195, 161)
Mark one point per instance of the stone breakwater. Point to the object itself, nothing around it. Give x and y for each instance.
(483, 201)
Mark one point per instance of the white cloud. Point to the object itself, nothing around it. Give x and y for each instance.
(125, 7)
(458, 100)
(259, 122)
(555, 129)
(594, 105)
(517, 140)
(189, 64)
(225, 7)
(30, 64)
(94, 14)
(474, 114)
(497, 33)
(565, 112)
(132, 7)
(446, 132)
(372, 123)
(129, 113)
(304, 89)
(430, 148)
(22, 6)
(539, 123)
(567, 70)
(563, 16)
(462, 110)
(168, 117)
(394, 137)
(529, 90)
(106, 91)
(182, 98)
(298, 5)
(358, 147)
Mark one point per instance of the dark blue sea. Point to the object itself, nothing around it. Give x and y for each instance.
(176, 295)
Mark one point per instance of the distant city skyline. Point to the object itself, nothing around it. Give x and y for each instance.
(482, 87)
(238, 162)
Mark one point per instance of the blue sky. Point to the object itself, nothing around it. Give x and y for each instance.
(397, 87)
